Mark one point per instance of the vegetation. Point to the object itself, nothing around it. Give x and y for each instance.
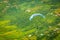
(15, 23)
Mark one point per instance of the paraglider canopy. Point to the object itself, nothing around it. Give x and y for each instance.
(36, 14)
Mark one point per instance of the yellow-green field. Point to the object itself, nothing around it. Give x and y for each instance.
(15, 23)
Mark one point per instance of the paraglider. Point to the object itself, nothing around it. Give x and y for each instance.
(37, 14)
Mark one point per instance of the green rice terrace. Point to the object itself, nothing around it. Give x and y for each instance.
(29, 19)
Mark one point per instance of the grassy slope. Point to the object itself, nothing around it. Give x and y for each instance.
(15, 23)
